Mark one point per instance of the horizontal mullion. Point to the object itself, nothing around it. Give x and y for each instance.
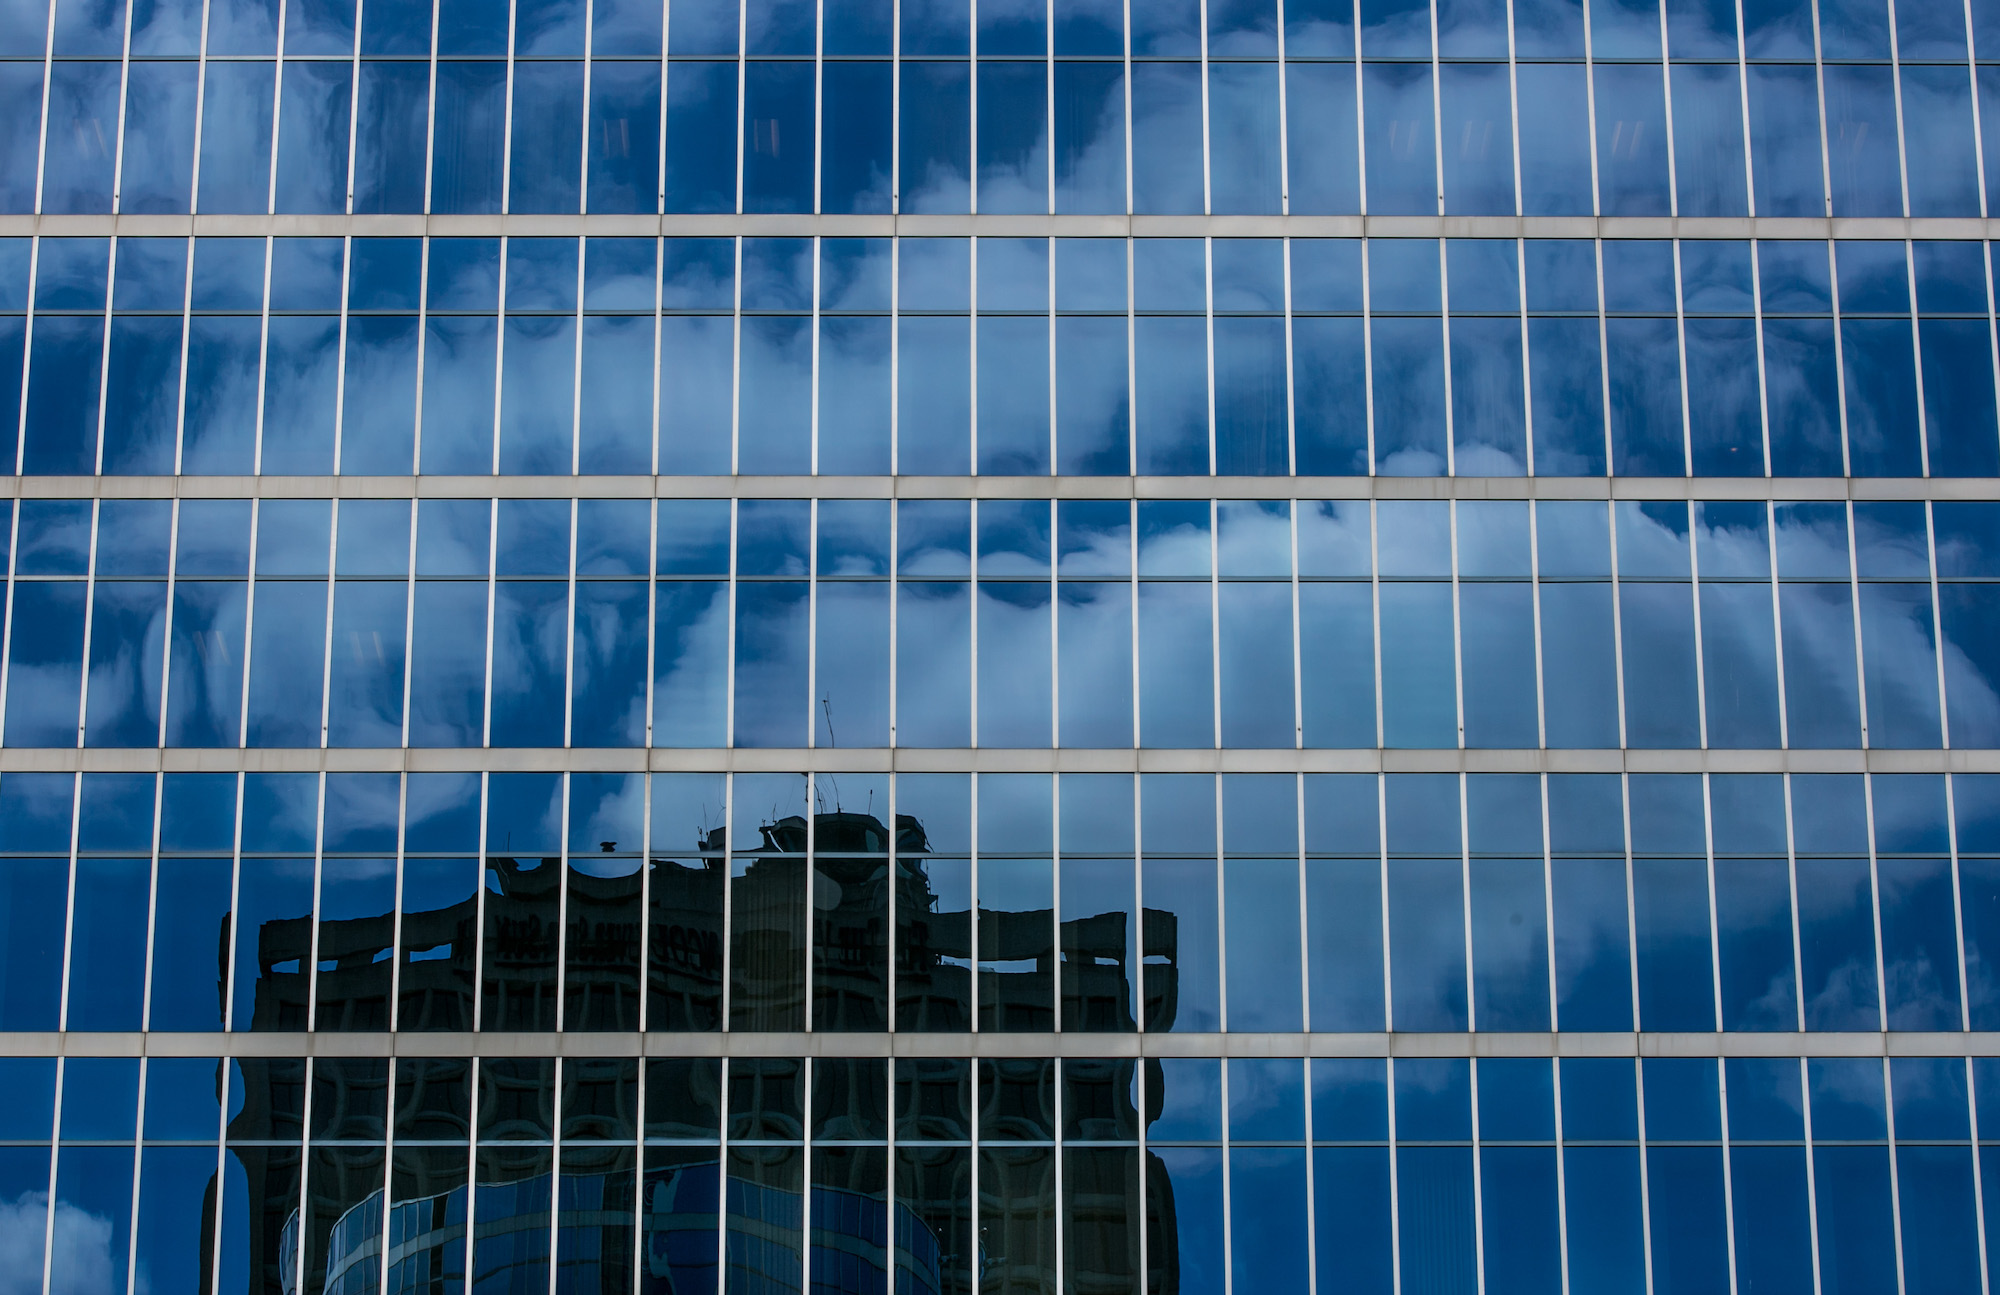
(988, 760)
(990, 487)
(1031, 225)
(743, 1043)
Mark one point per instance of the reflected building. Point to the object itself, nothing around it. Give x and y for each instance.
(673, 1214)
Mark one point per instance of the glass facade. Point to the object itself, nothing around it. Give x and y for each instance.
(1038, 647)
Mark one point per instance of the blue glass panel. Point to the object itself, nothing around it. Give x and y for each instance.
(1352, 1202)
(1523, 1246)
(1857, 1245)
(1401, 161)
(1784, 140)
(1436, 1237)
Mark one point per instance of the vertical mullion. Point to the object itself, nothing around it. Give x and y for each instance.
(736, 367)
(55, 1141)
(895, 602)
(1388, 966)
(152, 909)
(645, 937)
(423, 335)
(396, 923)
(1728, 1175)
(978, 902)
(1937, 634)
(1895, 1176)
(742, 79)
(583, 152)
(1957, 901)
(1437, 186)
(1375, 617)
(1535, 610)
(1819, 82)
(430, 143)
(1812, 1175)
(42, 136)
(1478, 1176)
(1284, 167)
(812, 435)
(812, 625)
(1667, 85)
(562, 909)
(1055, 445)
(233, 937)
(1137, 736)
(340, 347)
(1049, 104)
(187, 330)
(507, 128)
(1457, 646)
(1395, 1184)
(353, 135)
(167, 622)
(27, 349)
(1743, 107)
(1228, 1266)
(659, 259)
(492, 611)
(277, 111)
(1875, 903)
(576, 361)
(311, 969)
(1368, 362)
(69, 902)
(972, 661)
(104, 357)
(500, 351)
(1978, 1182)
(972, 350)
(1207, 201)
(1215, 852)
(1590, 122)
(1792, 869)
(264, 351)
(1125, 28)
(1298, 647)
(819, 117)
(660, 154)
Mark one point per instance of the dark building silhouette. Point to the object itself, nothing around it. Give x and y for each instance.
(619, 1220)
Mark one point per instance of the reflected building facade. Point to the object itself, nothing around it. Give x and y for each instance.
(655, 1218)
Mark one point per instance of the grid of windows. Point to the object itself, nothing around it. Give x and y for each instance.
(1093, 903)
(1177, 1173)
(1078, 648)
(1543, 107)
(1081, 356)
(1004, 623)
